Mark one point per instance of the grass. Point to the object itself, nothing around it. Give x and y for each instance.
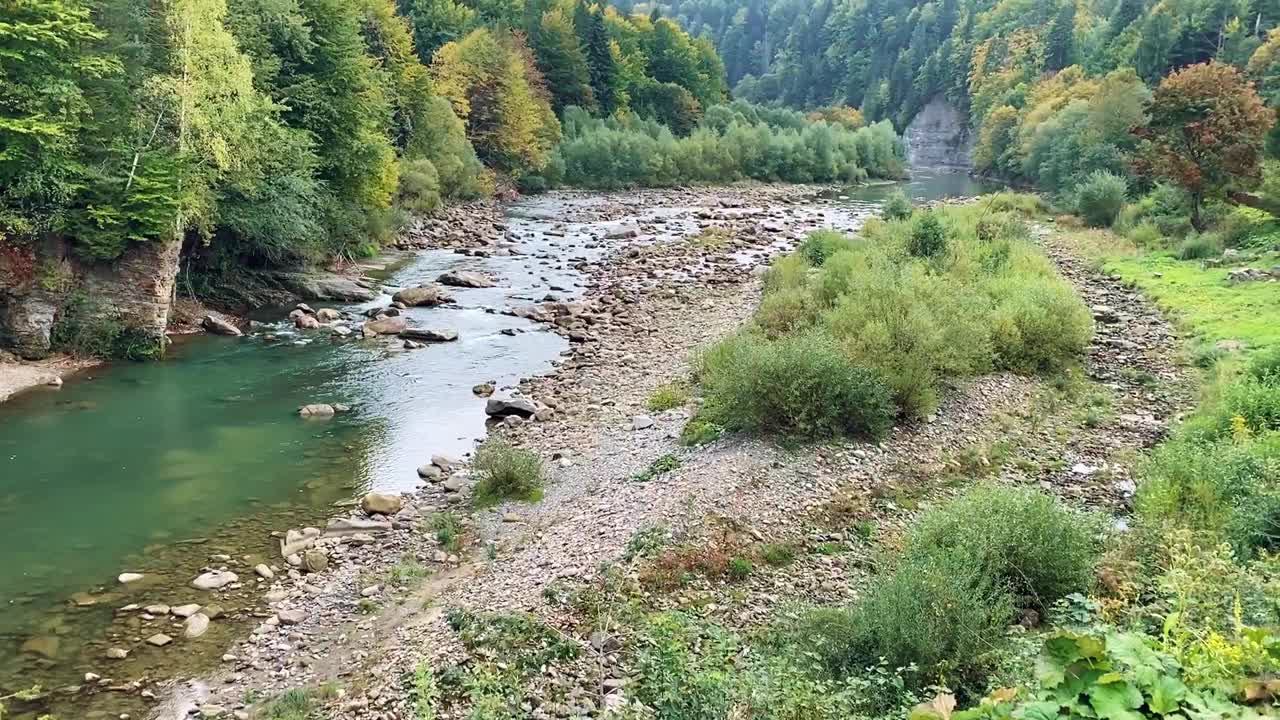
(658, 468)
(505, 472)
(1202, 300)
(407, 571)
(668, 396)
(298, 704)
(448, 529)
(700, 431)
(778, 554)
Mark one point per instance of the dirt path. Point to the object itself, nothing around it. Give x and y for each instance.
(1077, 441)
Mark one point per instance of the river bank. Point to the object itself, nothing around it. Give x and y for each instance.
(602, 435)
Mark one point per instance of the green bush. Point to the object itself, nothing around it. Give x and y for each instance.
(1265, 365)
(1227, 489)
(1146, 236)
(668, 396)
(928, 237)
(1100, 198)
(699, 431)
(1022, 540)
(504, 472)
(1200, 246)
(822, 244)
(896, 207)
(798, 386)
(419, 189)
(1040, 324)
(940, 614)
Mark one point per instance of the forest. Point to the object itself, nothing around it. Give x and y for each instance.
(275, 133)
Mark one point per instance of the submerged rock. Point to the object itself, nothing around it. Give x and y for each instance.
(196, 625)
(219, 326)
(46, 646)
(429, 335)
(159, 640)
(386, 325)
(317, 410)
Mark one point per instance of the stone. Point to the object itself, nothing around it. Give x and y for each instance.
(116, 653)
(445, 462)
(185, 611)
(315, 560)
(46, 646)
(157, 609)
(429, 335)
(370, 591)
(263, 571)
(214, 580)
(503, 407)
(465, 278)
(317, 410)
(429, 295)
(213, 611)
(454, 484)
(381, 504)
(212, 711)
(623, 233)
(385, 326)
(306, 322)
(483, 389)
(325, 286)
(83, 599)
(640, 422)
(430, 472)
(291, 617)
(327, 315)
(196, 625)
(219, 326)
(339, 527)
(129, 577)
(159, 640)
(296, 541)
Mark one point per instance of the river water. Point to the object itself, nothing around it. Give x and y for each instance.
(152, 468)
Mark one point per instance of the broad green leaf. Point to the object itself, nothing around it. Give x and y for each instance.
(1116, 701)
(1166, 694)
(1039, 711)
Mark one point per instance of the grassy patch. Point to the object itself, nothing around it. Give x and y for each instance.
(1205, 304)
(407, 571)
(505, 472)
(778, 554)
(700, 431)
(668, 396)
(658, 468)
(447, 527)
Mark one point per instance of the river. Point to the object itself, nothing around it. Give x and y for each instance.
(153, 468)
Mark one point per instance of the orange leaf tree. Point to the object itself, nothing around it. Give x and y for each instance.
(1206, 133)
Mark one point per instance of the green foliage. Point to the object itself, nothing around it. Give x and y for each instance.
(658, 468)
(822, 244)
(291, 705)
(700, 431)
(778, 554)
(928, 237)
(1115, 676)
(751, 383)
(1100, 197)
(425, 692)
(1023, 540)
(668, 396)
(1199, 246)
(740, 568)
(504, 472)
(419, 189)
(86, 330)
(897, 206)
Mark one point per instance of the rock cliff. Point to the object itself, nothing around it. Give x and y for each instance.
(938, 138)
(46, 284)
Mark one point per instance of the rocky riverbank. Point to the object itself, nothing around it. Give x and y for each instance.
(633, 329)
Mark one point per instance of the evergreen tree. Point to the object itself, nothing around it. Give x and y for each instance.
(1059, 42)
(563, 63)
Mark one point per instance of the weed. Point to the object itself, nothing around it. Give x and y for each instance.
(646, 542)
(367, 606)
(699, 431)
(778, 554)
(658, 468)
(505, 472)
(668, 396)
(740, 568)
(448, 530)
(406, 572)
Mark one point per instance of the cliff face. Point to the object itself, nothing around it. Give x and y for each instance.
(938, 138)
(46, 284)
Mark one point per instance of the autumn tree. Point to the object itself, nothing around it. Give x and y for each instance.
(1206, 133)
(562, 61)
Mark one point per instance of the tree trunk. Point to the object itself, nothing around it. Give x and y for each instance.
(1197, 221)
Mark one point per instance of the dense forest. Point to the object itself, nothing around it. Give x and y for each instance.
(282, 132)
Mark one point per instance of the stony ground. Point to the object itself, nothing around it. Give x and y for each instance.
(18, 375)
(648, 309)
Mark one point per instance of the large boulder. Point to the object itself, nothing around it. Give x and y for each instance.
(502, 407)
(422, 295)
(381, 503)
(323, 286)
(317, 410)
(386, 326)
(219, 326)
(465, 278)
(429, 335)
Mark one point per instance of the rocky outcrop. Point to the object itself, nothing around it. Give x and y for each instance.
(938, 138)
(46, 284)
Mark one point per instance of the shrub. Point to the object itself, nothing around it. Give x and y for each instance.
(1265, 365)
(800, 385)
(1200, 246)
(939, 613)
(778, 554)
(896, 207)
(1040, 323)
(1146, 236)
(1020, 539)
(928, 238)
(505, 472)
(668, 396)
(1100, 198)
(1228, 490)
(700, 431)
(419, 189)
(786, 311)
(822, 244)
